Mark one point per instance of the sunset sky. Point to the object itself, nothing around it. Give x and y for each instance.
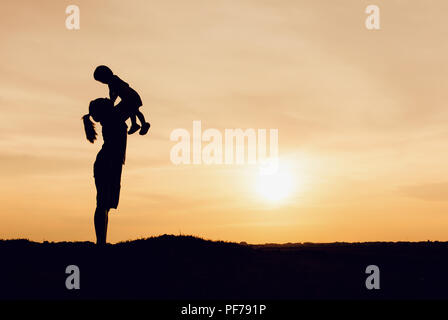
(362, 118)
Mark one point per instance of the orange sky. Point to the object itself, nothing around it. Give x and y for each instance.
(362, 117)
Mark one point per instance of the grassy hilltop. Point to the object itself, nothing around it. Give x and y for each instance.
(187, 267)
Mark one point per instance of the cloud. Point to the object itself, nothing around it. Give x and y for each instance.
(19, 165)
(427, 192)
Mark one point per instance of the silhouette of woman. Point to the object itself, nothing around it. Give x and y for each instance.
(110, 159)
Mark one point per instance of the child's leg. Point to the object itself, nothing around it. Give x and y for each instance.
(140, 116)
(145, 125)
(134, 125)
(133, 119)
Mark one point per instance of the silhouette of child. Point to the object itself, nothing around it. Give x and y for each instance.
(130, 100)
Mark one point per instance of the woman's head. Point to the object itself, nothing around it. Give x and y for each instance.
(103, 74)
(98, 110)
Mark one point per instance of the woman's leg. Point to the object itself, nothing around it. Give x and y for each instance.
(101, 220)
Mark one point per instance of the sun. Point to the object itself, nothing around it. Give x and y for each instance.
(275, 185)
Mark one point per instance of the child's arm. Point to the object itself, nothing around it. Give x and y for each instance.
(112, 95)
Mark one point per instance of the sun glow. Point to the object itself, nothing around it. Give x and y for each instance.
(275, 185)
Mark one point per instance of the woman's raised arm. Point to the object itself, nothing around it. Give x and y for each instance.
(121, 112)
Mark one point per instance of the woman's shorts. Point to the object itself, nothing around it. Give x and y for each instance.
(107, 175)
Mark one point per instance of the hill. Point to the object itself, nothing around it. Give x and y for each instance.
(186, 267)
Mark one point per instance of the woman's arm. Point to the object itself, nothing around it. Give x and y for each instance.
(121, 112)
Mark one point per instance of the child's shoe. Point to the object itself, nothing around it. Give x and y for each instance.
(134, 128)
(144, 129)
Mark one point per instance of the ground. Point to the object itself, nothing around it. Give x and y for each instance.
(186, 267)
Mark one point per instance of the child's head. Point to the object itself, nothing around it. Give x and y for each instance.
(103, 74)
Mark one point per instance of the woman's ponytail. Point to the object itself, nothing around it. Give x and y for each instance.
(89, 128)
